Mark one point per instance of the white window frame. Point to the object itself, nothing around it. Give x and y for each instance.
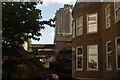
(88, 57)
(107, 55)
(115, 10)
(116, 53)
(108, 16)
(79, 26)
(94, 22)
(79, 56)
(73, 29)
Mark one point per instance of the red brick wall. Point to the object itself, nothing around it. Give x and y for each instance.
(59, 45)
(99, 38)
(110, 34)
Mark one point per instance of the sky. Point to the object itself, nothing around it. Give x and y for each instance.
(49, 8)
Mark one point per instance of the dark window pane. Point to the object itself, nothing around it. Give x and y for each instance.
(79, 51)
(118, 52)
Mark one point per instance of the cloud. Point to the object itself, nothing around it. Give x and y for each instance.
(47, 2)
(52, 35)
(59, 1)
(53, 16)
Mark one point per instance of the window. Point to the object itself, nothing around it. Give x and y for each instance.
(92, 23)
(92, 62)
(118, 52)
(79, 58)
(117, 10)
(79, 26)
(109, 55)
(107, 16)
(73, 29)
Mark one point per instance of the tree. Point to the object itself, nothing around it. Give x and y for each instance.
(20, 22)
(20, 19)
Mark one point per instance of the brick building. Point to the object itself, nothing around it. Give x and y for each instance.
(96, 40)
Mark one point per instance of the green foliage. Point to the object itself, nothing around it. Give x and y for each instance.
(29, 46)
(20, 23)
(19, 19)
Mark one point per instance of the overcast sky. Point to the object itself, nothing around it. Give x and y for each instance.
(49, 8)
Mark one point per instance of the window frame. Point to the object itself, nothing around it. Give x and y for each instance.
(116, 53)
(89, 23)
(79, 26)
(88, 57)
(106, 17)
(107, 55)
(115, 10)
(80, 69)
(73, 32)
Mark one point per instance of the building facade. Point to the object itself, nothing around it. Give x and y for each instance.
(64, 20)
(46, 52)
(44, 49)
(63, 38)
(96, 40)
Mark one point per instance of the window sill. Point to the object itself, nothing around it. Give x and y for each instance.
(108, 27)
(78, 35)
(91, 33)
(79, 70)
(109, 70)
(92, 70)
(117, 21)
(117, 69)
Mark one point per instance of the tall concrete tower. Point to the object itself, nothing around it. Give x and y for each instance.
(64, 20)
(63, 38)
(63, 30)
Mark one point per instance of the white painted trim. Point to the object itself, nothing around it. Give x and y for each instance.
(107, 55)
(77, 56)
(65, 33)
(88, 57)
(73, 49)
(115, 12)
(73, 29)
(79, 25)
(96, 14)
(107, 17)
(116, 52)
